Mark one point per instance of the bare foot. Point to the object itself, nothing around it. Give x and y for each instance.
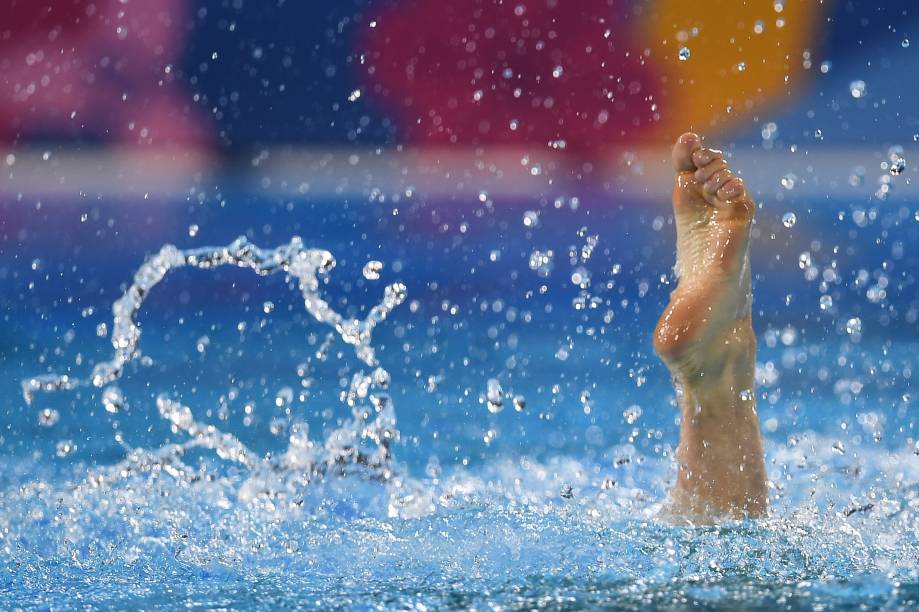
(705, 336)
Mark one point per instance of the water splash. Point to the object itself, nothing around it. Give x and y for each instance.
(558, 525)
(520, 531)
(373, 415)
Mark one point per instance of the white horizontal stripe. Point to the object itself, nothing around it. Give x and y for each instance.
(435, 173)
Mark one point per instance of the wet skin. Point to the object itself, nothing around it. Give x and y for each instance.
(705, 336)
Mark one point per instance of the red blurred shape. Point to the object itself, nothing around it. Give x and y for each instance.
(520, 72)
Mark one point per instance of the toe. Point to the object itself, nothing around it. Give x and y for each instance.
(732, 189)
(706, 172)
(734, 202)
(683, 151)
(703, 157)
(715, 182)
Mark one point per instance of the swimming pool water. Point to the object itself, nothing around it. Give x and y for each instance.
(552, 505)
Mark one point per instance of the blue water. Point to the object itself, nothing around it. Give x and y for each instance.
(554, 505)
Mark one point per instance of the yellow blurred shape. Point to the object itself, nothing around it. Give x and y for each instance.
(743, 55)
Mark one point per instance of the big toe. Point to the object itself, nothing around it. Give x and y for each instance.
(683, 150)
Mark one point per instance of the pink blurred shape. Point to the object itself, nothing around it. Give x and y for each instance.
(100, 69)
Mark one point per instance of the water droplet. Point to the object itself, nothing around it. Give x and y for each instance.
(284, 397)
(789, 181)
(268, 307)
(586, 403)
(48, 417)
(113, 399)
(372, 269)
(520, 403)
(632, 414)
(854, 326)
(530, 218)
(494, 396)
(858, 89)
(557, 72)
(746, 395)
(741, 66)
(839, 448)
(684, 54)
(580, 276)
(897, 165)
(826, 302)
(192, 230)
(65, 448)
(905, 43)
(789, 219)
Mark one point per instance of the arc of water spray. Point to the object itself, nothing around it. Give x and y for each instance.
(306, 265)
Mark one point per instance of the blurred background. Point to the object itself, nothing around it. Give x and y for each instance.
(475, 147)
(575, 83)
